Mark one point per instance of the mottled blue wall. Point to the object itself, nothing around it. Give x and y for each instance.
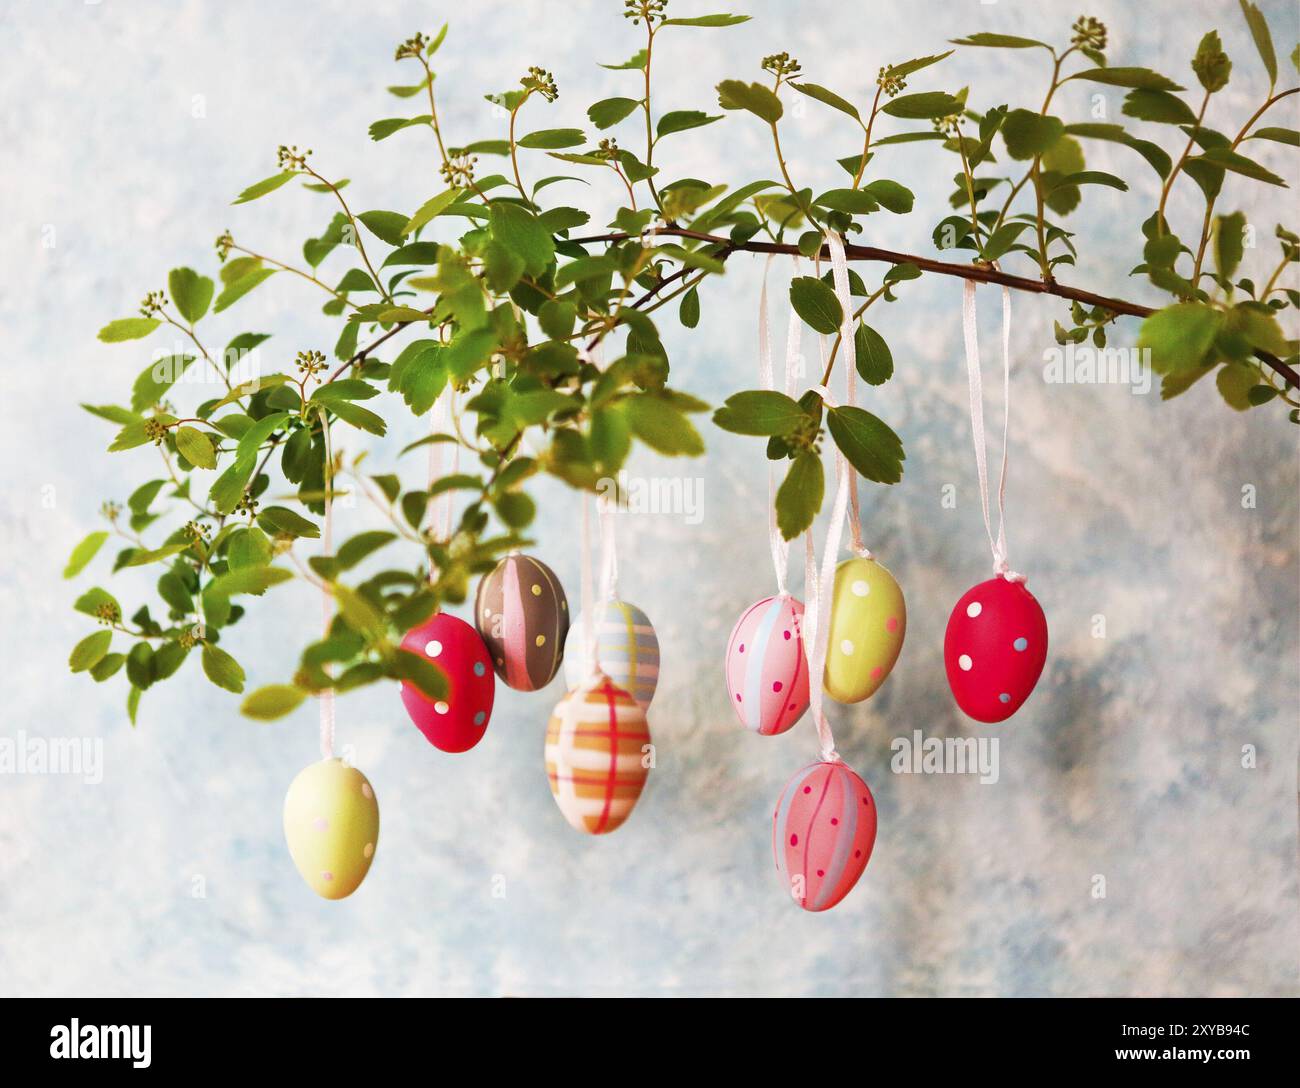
(1127, 764)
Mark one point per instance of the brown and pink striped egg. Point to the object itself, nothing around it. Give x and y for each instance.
(522, 616)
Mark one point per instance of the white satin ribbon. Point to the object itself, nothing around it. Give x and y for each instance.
(818, 584)
(998, 541)
(327, 599)
(777, 544)
(840, 274)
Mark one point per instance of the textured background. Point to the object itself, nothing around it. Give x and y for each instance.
(1127, 762)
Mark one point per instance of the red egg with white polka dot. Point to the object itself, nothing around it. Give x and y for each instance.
(457, 722)
(995, 649)
(767, 673)
(822, 833)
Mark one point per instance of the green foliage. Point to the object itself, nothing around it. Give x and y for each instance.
(548, 333)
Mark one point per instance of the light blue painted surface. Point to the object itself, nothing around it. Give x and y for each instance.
(1126, 763)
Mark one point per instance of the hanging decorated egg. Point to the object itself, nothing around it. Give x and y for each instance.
(597, 755)
(331, 822)
(523, 616)
(994, 649)
(626, 648)
(822, 833)
(868, 622)
(767, 674)
(458, 721)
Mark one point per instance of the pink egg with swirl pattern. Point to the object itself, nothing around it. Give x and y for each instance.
(457, 722)
(822, 833)
(767, 673)
(994, 649)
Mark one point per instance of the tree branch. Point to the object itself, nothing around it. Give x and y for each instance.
(977, 272)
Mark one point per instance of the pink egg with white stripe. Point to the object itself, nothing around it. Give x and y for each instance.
(767, 673)
(822, 833)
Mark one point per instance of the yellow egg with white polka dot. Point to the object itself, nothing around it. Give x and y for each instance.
(868, 622)
(331, 822)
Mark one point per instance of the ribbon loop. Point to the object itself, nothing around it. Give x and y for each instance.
(998, 540)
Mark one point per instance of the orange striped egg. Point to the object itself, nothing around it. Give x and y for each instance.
(597, 755)
(523, 617)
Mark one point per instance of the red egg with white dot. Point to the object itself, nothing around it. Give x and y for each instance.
(995, 649)
(767, 673)
(823, 831)
(458, 721)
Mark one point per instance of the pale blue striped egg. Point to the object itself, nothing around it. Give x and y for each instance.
(626, 646)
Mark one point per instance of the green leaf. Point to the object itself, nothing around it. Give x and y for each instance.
(156, 379)
(1142, 78)
(83, 553)
(222, 669)
(635, 64)
(662, 426)
(874, 360)
(850, 201)
(107, 666)
(240, 287)
(871, 447)
(1211, 63)
(90, 651)
(553, 139)
(266, 185)
(94, 600)
(1235, 381)
(1229, 242)
(1262, 39)
(829, 98)
(688, 312)
(1288, 136)
(172, 589)
(251, 580)
(816, 304)
(736, 94)
(228, 488)
(419, 670)
(281, 521)
(388, 227)
(800, 495)
(760, 412)
(362, 418)
(381, 130)
(682, 120)
(910, 66)
(1179, 336)
(128, 328)
(355, 549)
(610, 111)
(430, 209)
(520, 231)
(1000, 41)
(359, 613)
(1238, 164)
(891, 196)
(1158, 106)
(1028, 134)
(922, 107)
(191, 293)
(708, 21)
(195, 447)
(271, 702)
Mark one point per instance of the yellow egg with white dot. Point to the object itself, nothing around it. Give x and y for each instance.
(868, 622)
(331, 823)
